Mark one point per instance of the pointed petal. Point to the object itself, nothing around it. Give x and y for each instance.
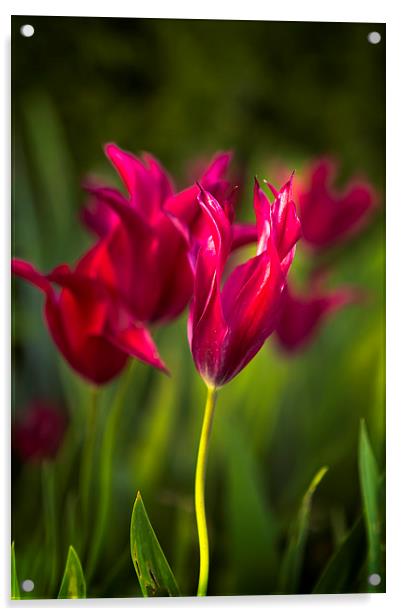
(97, 215)
(262, 208)
(302, 315)
(137, 342)
(25, 270)
(127, 214)
(285, 222)
(217, 169)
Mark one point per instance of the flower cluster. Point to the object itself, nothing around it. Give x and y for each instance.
(157, 250)
(140, 270)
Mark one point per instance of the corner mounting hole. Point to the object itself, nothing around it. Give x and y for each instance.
(27, 30)
(374, 579)
(27, 585)
(374, 38)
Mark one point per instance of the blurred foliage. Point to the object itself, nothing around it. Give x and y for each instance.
(275, 93)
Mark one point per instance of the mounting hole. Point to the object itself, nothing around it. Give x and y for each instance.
(27, 585)
(27, 30)
(374, 579)
(374, 38)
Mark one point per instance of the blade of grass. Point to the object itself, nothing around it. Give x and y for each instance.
(73, 584)
(343, 567)
(154, 574)
(289, 578)
(372, 506)
(15, 587)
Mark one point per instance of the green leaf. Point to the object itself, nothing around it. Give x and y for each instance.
(73, 584)
(344, 565)
(15, 587)
(154, 574)
(292, 562)
(372, 506)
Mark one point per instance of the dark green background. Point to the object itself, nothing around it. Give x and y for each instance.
(276, 94)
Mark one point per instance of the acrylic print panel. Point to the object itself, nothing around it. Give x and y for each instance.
(247, 457)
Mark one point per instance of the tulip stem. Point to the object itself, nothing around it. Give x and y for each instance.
(88, 453)
(105, 468)
(200, 491)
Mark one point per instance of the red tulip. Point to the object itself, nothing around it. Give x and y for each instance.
(302, 315)
(38, 435)
(228, 326)
(327, 216)
(87, 322)
(148, 234)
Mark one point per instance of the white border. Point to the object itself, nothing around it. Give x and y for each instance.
(308, 10)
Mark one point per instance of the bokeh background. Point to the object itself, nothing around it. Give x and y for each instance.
(278, 95)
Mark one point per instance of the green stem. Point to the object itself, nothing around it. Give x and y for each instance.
(49, 506)
(200, 491)
(105, 472)
(88, 453)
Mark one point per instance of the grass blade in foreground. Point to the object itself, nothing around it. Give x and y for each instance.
(154, 574)
(15, 587)
(73, 584)
(344, 565)
(292, 562)
(370, 486)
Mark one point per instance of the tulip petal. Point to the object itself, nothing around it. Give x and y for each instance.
(97, 215)
(25, 270)
(285, 221)
(302, 315)
(83, 305)
(262, 209)
(148, 186)
(137, 342)
(124, 210)
(251, 300)
(328, 216)
(243, 234)
(52, 313)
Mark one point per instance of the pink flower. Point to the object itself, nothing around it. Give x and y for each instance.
(328, 216)
(301, 316)
(38, 435)
(228, 326)
(88, 323)
(148, 234)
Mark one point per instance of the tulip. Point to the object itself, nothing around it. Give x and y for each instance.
(88, 324)
(327, 216)
(148, 234)
(302, 315)
(38, 435)
(228, 326)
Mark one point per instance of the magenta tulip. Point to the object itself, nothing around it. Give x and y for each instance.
(228, 326)
(39, 433)
(87, 322)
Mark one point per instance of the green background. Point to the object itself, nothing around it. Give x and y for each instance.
(278, 95)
